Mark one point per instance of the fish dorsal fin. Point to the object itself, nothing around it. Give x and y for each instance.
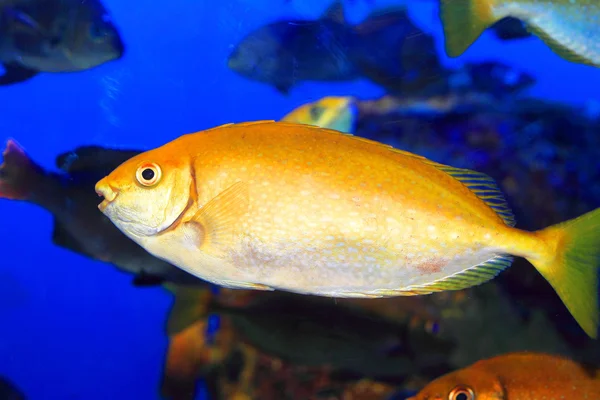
(482, 185)
(465, 279)
(93, 158)
(335, 12)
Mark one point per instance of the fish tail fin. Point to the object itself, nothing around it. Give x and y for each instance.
(18, 173)
(464, 21)
(572, 265)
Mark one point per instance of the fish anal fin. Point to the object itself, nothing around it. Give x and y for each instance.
(470, 277)
(243, 285)
(219, 219)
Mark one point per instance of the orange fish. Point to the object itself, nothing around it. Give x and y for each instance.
(271, 205)
(516, 376)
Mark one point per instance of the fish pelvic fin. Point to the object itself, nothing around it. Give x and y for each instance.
(464, 21)
(189, 306)
(470, 277)
(571, 267)
(18, 173)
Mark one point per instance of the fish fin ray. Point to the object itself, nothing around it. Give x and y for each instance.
(219, 219)
(19, 175)
(573, 266)
(484, 187)
(470, 277)
(560, 49)
(243, 285)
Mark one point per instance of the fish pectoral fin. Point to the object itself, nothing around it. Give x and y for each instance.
(243, 285)
(15, 73)
(473, 276)
(217, 222)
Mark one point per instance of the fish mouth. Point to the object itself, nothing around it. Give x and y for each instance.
(103, 189)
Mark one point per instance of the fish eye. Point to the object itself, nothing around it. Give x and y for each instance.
(461, 393)
(316, 112)
(148, 174)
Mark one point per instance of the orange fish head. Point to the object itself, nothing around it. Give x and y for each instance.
(465, 384)
(147, 193)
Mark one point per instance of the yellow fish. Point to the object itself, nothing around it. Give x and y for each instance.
(332, 112)
(571, 28)
(275, 205)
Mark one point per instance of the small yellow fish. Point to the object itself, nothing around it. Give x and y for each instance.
(570, 28)
(275, 205)
(332, 112)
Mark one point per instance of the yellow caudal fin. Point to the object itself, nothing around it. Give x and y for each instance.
(464, 21)
(572, 269)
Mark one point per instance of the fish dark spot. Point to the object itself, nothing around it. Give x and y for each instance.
(430, 267)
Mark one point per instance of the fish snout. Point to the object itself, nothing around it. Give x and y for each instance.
(103, 189)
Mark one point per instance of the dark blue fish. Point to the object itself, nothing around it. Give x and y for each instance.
(78, 226)
(386, 48)
(55, 36)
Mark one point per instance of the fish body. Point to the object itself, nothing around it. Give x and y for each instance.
(287, 52)
(569, 27)
(331, 112)
(274, 205)
(78, 226)
(519, 376)
(55, 36)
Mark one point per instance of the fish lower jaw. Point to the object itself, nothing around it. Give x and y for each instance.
(105, 203)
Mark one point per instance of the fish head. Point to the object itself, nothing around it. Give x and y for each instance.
(333, 112)
(465, 384)
(258, 56)
(148, 193)
(85, 35)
